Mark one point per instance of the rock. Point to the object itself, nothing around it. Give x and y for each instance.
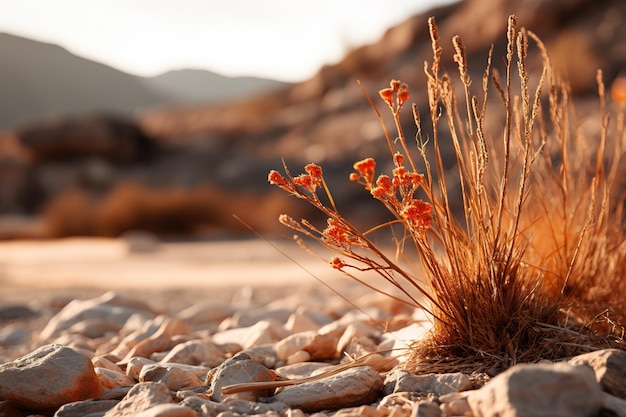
(247, 408)
(249, 317)
(350, 388)
(615, 406)
(263, 354)
(427, 409)
(7, 410)
(135, 365)
(437, 384)
(266, 331)
(207, 312)
(115, 393)
(113, 379)
(610, 368)
(319, 346)
(88, 408)
(174, 378)
(168, 410)
(47, 378)
(17, 312)
(102, 361)
(399, 341)
(355, 331)
(298, 357)
(455, 404)
(195, 352)
(157, 341)
(302, 370)
(237, 370)
(298, 322)
(140, 398)
(12, 335)
(539, 390)
(362, 411)
(110, 308)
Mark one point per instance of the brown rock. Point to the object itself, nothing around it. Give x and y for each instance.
(353, 387)
(113, 379)
(47, 378)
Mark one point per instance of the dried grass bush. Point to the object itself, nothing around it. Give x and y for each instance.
(534, 268)
(170, 212)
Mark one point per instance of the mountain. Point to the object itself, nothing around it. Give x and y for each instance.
(200, 86)
(41, 80)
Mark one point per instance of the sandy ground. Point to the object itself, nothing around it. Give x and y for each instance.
(94, 265)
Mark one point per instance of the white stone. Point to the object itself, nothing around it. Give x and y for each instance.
(534, 390)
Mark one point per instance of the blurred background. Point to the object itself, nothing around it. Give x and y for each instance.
(164, 117)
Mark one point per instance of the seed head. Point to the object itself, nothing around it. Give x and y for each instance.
(275, 178)
(313, 170)
(336, 263)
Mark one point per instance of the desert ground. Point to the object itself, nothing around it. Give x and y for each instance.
(167, 272)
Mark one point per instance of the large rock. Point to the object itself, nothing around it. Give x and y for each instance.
(353, 387)
(47, 378)
(536, 390)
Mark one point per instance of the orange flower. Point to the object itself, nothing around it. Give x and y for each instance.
(337, 235)
(398, 158)
(275, 178)
(384, 187)
(366, 168)
(418, 214)
(336, 263)
(403, 94)
(313, 170)
(384, 182)
(387, 95)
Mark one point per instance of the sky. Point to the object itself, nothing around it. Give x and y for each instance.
(286, 40)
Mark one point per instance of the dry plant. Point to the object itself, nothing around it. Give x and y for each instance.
(537, 259)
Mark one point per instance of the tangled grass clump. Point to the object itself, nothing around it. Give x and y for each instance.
(535, 267)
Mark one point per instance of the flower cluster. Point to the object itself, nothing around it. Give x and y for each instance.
(418, 214)
(337, 263)
(396, 191)
(308, 182)
(336, 234)
(401, 91)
